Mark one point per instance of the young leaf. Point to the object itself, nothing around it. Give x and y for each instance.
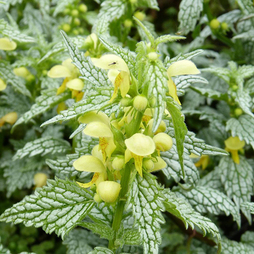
(242, 127)
(245, 101)
(209, 200)
(180, 208)
(189, 14)
(61, 6)
(147, 205)
(168, 38)
(47, 100)
(148, 34)
(58, 207)
(210, 93)
(43, 146)
(179, 128)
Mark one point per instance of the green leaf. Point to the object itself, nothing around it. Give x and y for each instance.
(223, 73)
(179, 128)
(7, 74)
(11, 32)
(20, 174)
(101, 250)
(148, 34)
(60, 47)
(102, 214)
(209, 200)
(168, 38)
(246, 6)
(43, 103)
(79, 241)
(93, 101)
(101, 229)
(109, 11)
(229, 247)
(210, 93)
(153, 4)
(248, 206)
(244, 100)
(58, 207)
(242, 127)
(156, 80)
(3, 250)
(129, 237)
(247, 238)
(64, 166)
(43, 146)
(180, 208)
(173, 168)
(189, 14)
(237, 180)
(146, 203)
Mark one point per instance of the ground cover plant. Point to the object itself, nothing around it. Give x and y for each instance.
(126, 126)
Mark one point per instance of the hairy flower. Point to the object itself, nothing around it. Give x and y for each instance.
(183, 67)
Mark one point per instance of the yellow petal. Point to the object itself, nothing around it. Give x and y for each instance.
(172, 90)
(10, 118)
(112, 74)
(96, 152)
(94, 116)
(97, 178)
(234, 143)
(75, 84)
(109, 191)
(182, 67)
(125, 83)
(62, 88)
(159, 164)
(2, 85)
(140, 144)
(61, 106)
(89, 163)
(203, 162)
(7, 44)
(59, 71)
(138, 163)
(163, 141)
(21, 72)
(98, 129)
(79, 96)
(235, 156)
(110, 61)
(71, 67)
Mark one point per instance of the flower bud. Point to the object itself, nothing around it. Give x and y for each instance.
(66, 28)
(140, 102)
(97, 198)
(76, 21)
(153, 56)
(108, 191)
(128, 23)
(163, 141)
(215, 24)
(82, 8)
(7, 44)
(40, 179)
(125, 102)
(139, 15)
(21, 72)
(224, 26)
(148, 164)
(238, 112)
(118, 163)
(2, 85)
(74, 13)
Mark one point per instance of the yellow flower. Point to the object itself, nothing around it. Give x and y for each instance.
(163, 141)
(138, 146)
(40, 179)
(89, 163)
(118, 74)
(182, 67)
(2, 85)
(7, 44)
(10, 118)
(71, 73)
(203, 162)
(233, 145)
(108, 191)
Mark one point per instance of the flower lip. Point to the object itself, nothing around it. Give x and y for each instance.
(89, 163)
(182, 67)
(234, 143)
(75, 84)
(98, 129)
(59, 71)
(140, 144)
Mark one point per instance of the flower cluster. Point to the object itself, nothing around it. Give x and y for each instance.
(128, 137)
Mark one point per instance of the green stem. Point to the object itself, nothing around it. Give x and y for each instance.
(120, 205)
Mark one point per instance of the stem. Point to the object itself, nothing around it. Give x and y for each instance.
(120, 205)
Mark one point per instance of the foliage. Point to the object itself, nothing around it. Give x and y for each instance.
(123, 131)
